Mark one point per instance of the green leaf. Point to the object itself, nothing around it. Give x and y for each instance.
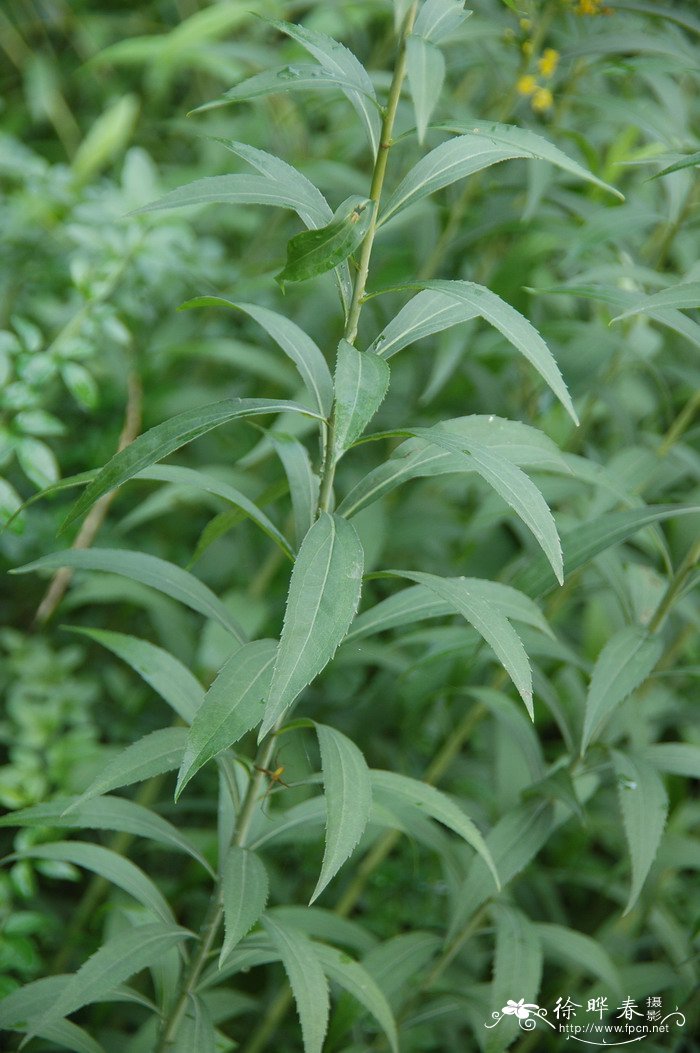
(361, 382)
(677, 758)
(644, 805)
(158, 752)
(245, 891)
(355, 979)
(596, 535)
(303, 481)
(337, 59)
(426, 74)
(162, 671)
(108, 864)
(306, 979)
(510, 483)
(169, 436)
(114, 962)
(489, 622)
(105, 813)
(438, 806)
(37, 461)
(296, 344)
(196, 1031)
(315, 251)
(426, 313)
(10, 505)
(436, 19)
(394, 963)
(149, 570)
(478, 148)
(348, 794)
(689, 161)
(624, 663)
(683, 295)
(231, 707)
(243, 189)
(517, 970)
(323, 596)
(297, 77)
(172, 473)
(576, 951)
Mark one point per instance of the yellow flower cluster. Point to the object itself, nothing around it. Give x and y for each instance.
(590, 7)
(541, 97)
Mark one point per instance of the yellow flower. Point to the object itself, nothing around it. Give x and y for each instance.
(527, 47)
(527, 85)
(548, 62)
(588, 7)
(525, 24)
(542, 99)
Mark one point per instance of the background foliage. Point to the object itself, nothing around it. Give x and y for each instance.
(587, 812)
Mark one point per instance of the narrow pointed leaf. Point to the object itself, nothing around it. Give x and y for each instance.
(644, 805)
(323, 596)
(683, 295)
(306, 979)
(105, 813)
(169, 436)
(316, 251)
(361, 382)
(245, 891)
(108, 864)
(574, 950)
(158, 752)
(436, 19)
(517, 967)
(355, 979)
(488, 622)
(429, 312)
(149, 570)
(348, 794)
(296, 344)
(624, 663)
(162, 671)
(677, 758)
(114, 962)
(297, 77)
(336, 58)
(426, 74)
(303, 482)
(237, 189)
(438, 806)
(232, 706)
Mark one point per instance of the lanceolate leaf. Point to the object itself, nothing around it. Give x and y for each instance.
(149, 570)
(245, 891)
(165, 438)
(426, 73)
(575, 950)
(481, 146)
(488, 622)
(336, 58)
(517, 970)
(361, 382)
(427, 313)
(158, 752)
(315, 251)
(233, 705)
(237, 189)
(348, 794)
(297, 77)
(108, 864)
(114, 962)
(438, 806)
(624, 663)
(306, 979)
(303, 482)
(644, 804)
(436, 19)
(355, 979)
(296, 344)
(323, 596)
(104, 813)
(683, 295)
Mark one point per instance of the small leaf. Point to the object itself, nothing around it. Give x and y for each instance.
(348, 794)
(323, 596)
(114, 962)
(245, 891)
(438, 18)
(438, 806)
(683, 295)
(236, 189)
(624, 663)
(231, 707)
(169, 436)
(296, 77)
(109, 865)
(81, 384)
(161, 670)
(303, 482)
(315, 251)
(104, 813)
(149, 570)
(644, 805)
(361, 382)
(158, 752)
(426, 75)
(306, 979)
(430, 311)
(37, 461)
(355, 979)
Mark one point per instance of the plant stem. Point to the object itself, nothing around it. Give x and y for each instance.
(675, 586)
(375, 193)
(215, 913)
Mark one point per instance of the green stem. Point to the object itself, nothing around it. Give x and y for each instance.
(375, 193)
(215, 914)
(675, 586)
